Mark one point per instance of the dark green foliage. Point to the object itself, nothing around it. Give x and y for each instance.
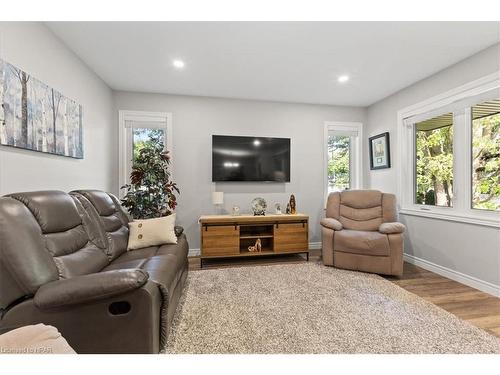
(150, 193)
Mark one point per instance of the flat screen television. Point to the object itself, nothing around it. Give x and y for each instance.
(250, 159)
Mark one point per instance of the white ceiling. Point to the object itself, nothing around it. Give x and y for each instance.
(278, 61)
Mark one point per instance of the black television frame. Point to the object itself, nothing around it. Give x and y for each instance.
(252, 181)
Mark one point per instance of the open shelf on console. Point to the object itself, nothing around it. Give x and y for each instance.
(266, 243)
(256, 231)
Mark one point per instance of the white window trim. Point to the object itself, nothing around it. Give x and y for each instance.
(153, 119)
(357, 157)
(461, 212)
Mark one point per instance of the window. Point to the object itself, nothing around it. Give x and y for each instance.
(486, 156)
(143, 136)
(136, 130)
(342, 156)
(449, 155)
(339, 162)
(434, 161)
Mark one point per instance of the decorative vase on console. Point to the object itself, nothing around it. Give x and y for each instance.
(259, 206)
(293, 205)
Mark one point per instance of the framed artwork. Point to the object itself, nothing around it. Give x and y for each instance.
(380, 151)
(36, 117)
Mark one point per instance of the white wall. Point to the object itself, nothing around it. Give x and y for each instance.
(32, 47)
(195, 119)
(468, 249)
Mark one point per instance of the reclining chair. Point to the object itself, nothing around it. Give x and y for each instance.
(360, 232)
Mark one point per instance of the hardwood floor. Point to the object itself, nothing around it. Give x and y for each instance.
(469, 304)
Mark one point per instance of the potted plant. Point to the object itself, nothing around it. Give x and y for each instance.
(150, 193)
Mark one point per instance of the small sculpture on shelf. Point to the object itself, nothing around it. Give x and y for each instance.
(288, 208)
(293, 205)
(277, 208)
(257, 247)
(259, 206)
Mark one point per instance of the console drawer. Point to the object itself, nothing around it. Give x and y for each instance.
(290, 237)
(220, 240)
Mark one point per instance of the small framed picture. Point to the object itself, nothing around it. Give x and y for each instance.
(380, 151)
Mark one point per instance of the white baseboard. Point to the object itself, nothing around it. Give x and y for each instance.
(312, 246)
(471, 281)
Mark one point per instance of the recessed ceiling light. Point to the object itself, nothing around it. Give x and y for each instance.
(256, 142)
(179, 64)
(343, 78)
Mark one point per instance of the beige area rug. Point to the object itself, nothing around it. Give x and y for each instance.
(310, 308)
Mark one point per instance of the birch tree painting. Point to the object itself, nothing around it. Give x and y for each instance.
(36, 117)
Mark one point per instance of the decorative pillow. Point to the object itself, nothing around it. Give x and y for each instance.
(151, 232)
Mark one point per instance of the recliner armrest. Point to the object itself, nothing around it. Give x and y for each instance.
(89, 288)
(331, 223)
(391, 228)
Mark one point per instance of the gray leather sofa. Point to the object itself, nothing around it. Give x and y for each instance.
(63, 262)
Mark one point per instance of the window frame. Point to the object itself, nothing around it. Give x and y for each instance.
(355, 153)
(151, 120)
(461, 210)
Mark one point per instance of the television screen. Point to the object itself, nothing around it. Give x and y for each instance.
(250, 159)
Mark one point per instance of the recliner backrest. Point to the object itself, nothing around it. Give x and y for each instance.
(25, 265)
(111, 216)
(44, 236)
(361, 209)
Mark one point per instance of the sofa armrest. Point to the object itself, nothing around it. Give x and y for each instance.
(331, 223)
(391, 228)
(89, 288)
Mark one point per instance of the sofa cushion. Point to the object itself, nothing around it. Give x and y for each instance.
(55, 211)
(361, 198)
(360, 209)
(361, 242)
(180, 249)
(144, 253)
(165, 270)
(25, 265)
(164, 264)
(110, 216)
(66, 232)
(101, 201)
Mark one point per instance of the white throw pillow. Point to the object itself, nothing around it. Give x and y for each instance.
(151, 232)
